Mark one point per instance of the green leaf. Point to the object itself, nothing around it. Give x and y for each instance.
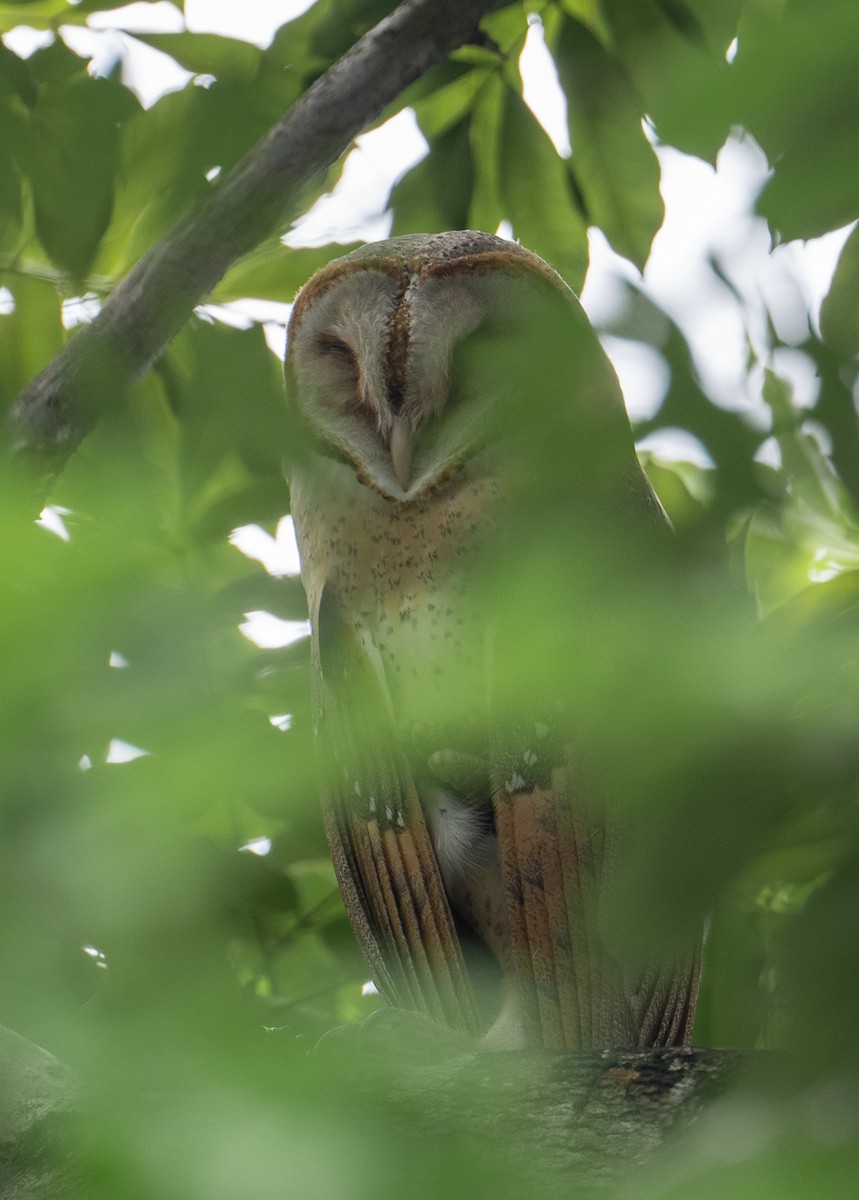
(779, 566)
(684, 488)
(706, 24)
(683, 19)
(32, 334)
(487, 208)
(682, 78)
(88, 6)
(305, 47)
(436, 194)
(614, 164)
(793, 85)
(538, 197)
(715, 20)
(833, 602)
(72, 159)
(165, 154)
(47, 14)
(11, 210)
(38, 14)
(839, 314)
(15, 77)
(170, 154)
(15, 129)
(258, 591)
(589, 13)
(449, 101)
(797, 91)
(225, 387)
(55, 62)
(231, 500)
(208, 53)
(808, 472)
(836, 411)
(17, 94)
(507, 26)
(339, 24)
(731, 442)
(293, 54)
(212, 468)
(275, 272)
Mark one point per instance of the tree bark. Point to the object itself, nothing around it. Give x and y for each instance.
(585, 1120)
(590, 1117)
(37, 1092)
(54, 412)
(579, 1121)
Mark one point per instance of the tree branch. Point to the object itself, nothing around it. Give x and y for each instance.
(52, 414)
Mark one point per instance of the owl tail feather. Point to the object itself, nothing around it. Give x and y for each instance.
(556, 855)
(381, 848)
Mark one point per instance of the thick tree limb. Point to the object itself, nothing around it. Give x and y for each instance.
(38, 1093)
(51, 415)
(577, 1124)
(582, 1122)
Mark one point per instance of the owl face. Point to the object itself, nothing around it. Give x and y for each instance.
(399, 354)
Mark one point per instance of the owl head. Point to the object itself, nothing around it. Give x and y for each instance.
(409, 357)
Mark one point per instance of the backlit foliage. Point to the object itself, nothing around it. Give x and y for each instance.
(716, 688)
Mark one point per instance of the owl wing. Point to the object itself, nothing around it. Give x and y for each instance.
(380, 845)
(557, 850)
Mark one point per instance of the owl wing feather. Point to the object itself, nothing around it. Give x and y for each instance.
(557, 850)
(552, 876)
(380, 844)
(664, 1007)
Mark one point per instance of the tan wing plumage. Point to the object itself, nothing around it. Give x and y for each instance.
(382, 853)
(556, 853)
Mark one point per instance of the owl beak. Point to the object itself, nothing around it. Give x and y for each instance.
(401, 446)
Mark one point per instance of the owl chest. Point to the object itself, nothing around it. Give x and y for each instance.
(401, 575)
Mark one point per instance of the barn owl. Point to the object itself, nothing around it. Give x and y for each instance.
(428, 377)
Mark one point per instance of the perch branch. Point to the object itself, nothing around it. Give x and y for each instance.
(53, 413)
